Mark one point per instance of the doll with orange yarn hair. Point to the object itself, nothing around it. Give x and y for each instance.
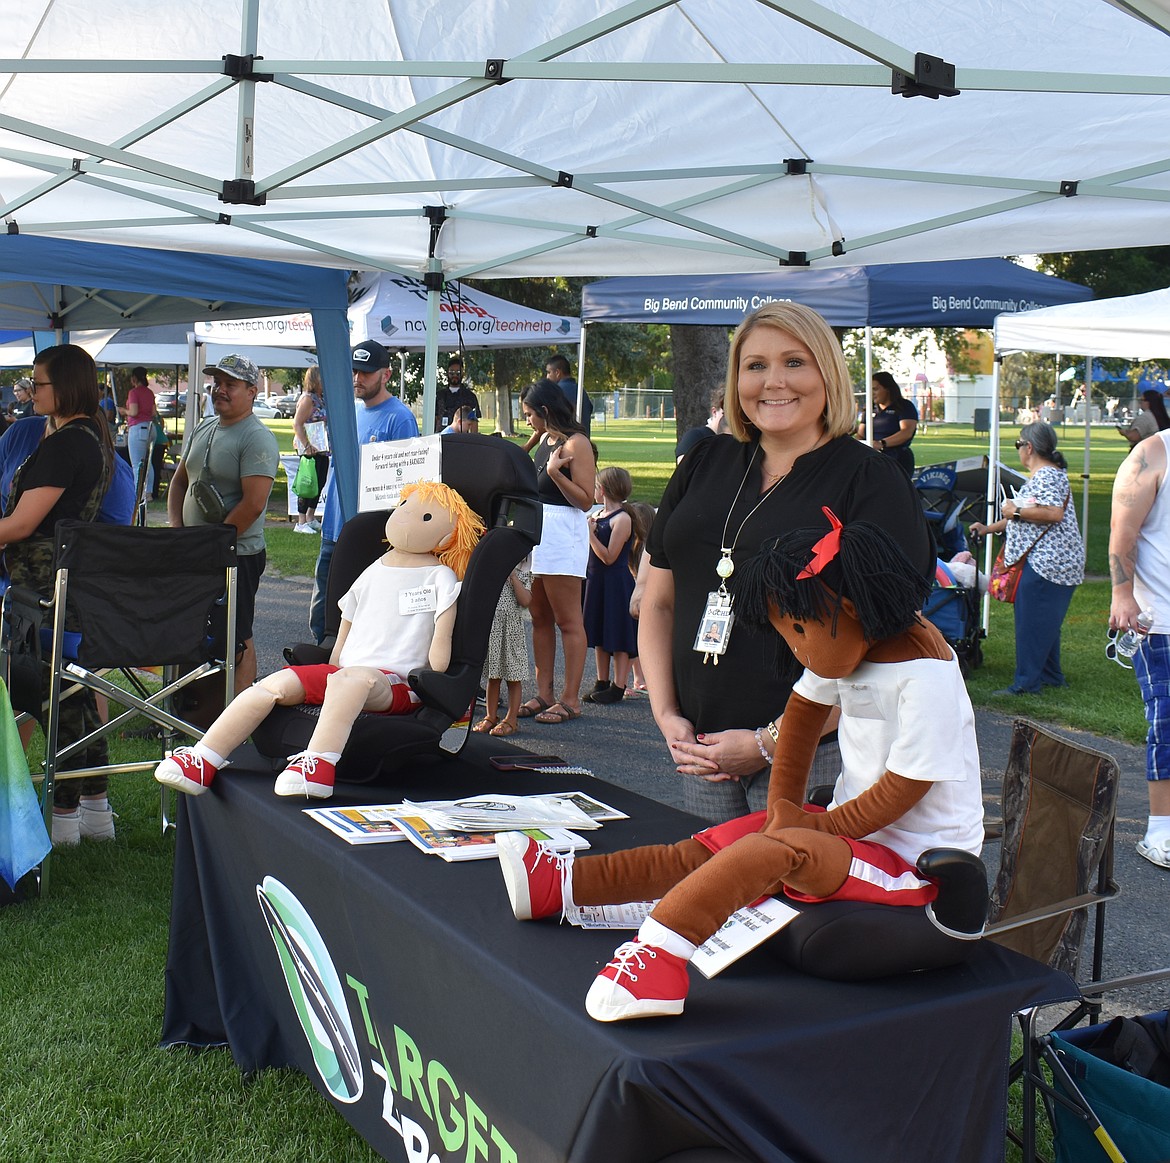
(399, 614)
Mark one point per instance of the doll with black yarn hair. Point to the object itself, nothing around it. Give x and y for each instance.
(846, 600)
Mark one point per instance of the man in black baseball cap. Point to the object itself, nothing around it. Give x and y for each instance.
(380, 416)
(370, 356)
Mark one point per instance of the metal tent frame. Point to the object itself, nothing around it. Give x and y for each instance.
(598, 138)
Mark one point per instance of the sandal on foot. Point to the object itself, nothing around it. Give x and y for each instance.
(503, 729)
(485, 725)
(557, 713)
(535, 706)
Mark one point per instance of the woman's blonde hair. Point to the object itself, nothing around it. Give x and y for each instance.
(811, 329)
(468, 527)
(313, 381)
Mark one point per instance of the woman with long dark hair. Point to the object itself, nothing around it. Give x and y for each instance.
(65, 478)
(895, 420)
(1151, 417)
(566, 469)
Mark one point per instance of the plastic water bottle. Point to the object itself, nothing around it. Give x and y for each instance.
(1128, 643)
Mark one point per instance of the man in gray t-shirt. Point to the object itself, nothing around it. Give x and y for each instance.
(226, 476)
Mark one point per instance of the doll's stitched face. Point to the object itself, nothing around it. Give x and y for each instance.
(828, 654)
(419, 526)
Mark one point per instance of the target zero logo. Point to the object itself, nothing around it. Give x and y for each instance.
(315, 990)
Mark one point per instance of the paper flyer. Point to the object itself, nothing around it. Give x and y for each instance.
(741, 933)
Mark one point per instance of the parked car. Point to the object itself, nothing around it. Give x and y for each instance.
(285, 405)
(168, 404)
(264, 411)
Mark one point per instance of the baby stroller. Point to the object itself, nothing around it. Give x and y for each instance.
(954, 610)
(953, 606)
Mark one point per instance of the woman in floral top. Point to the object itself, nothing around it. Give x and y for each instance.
(1041, 522)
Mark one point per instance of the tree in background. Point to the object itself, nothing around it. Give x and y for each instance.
(616, 354)
(698, 364)
(1110, 273)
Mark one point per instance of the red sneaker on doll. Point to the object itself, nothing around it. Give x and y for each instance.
(398, 615)
(847, 603)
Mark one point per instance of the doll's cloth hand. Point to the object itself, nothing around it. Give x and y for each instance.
(785, 814)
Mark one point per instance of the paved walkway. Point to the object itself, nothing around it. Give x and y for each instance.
(621, 744)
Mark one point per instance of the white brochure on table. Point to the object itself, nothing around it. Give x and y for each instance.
(387, 467)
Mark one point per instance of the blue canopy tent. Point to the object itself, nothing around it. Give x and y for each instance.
(966, 293)
(49, 286)
(962, 293)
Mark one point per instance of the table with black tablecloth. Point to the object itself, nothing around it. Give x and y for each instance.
(440, 1026)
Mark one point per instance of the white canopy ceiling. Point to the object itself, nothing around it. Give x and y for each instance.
(1131, 327)
(643, 137)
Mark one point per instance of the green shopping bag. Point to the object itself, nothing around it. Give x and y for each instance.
(305, 483)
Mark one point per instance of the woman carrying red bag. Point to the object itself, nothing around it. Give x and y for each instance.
(1040, 524)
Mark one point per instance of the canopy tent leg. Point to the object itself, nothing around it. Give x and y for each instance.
(1085, 470)
(581, 374)
(431, 351)
(992, 485)
(868, 385)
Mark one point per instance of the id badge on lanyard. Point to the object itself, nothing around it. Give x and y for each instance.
(714, 631)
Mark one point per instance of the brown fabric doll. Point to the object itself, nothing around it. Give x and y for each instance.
(847, 604)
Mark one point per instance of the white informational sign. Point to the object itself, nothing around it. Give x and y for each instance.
(289, 461)
(318, 435)
(385, 468)
(741, 932)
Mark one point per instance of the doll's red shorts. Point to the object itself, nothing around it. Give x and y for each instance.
(877, 874)
(313, 678)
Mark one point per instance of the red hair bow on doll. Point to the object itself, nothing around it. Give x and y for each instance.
(824, 550)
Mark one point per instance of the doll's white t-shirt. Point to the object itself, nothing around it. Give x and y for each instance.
(393, 610)
(915, 719)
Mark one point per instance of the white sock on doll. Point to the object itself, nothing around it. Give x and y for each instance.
(657, 934)
(205, 753)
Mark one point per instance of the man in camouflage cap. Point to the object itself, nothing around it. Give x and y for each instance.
(226, 477)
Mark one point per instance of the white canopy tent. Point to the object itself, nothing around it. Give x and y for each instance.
(392, 309)
(1133, 327)
(597, 138)
(165, 346)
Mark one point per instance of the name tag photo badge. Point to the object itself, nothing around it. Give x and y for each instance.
(714, 627)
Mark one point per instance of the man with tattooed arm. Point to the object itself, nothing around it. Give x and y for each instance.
(1139, 569)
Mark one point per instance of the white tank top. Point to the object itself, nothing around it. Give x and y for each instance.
(1151, 583)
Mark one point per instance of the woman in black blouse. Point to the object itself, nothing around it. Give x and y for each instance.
(895, 420)
(789, 405)
(65, 478)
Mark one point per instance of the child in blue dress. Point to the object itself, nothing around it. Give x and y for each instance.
(609, 629)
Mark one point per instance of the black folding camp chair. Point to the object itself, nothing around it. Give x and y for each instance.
(123, 598)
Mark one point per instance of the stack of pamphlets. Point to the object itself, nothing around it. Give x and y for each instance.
(513, 813)
(454, 846)
(465, 829)
(370, 824)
